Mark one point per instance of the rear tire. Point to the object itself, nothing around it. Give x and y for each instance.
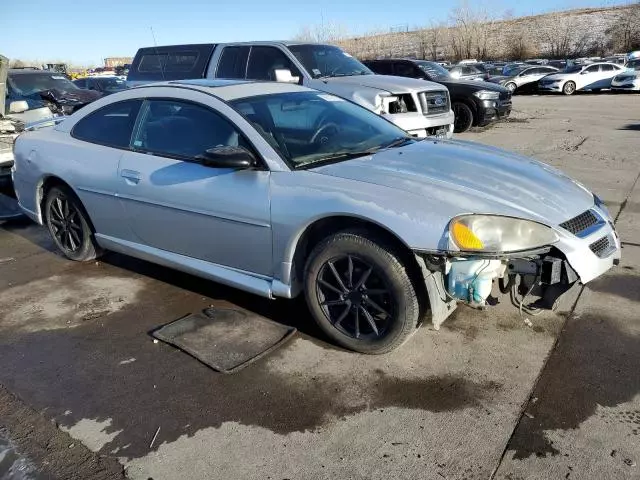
(360, 293)
(511, 87)
(463, 117)
(569, 88)
(69, 226)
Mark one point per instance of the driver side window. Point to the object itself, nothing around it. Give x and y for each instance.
(264, 61)
(174, 128)
(592, 69)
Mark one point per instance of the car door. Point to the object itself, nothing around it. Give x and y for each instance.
(607, 73)
(406, 69)
(589, 77)
(175, 204)
(530, 75)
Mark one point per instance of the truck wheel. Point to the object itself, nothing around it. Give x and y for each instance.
(569, 88)
(69, 225)
(360, 293)
(463, 117)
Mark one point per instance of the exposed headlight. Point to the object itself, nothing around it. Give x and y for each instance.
(493, 234)
(487, 95)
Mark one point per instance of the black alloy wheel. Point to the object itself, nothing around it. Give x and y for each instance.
(360, 293)
(354, 297)
(67, 222)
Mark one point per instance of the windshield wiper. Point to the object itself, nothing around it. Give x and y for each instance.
(332, 158)
(397, 142)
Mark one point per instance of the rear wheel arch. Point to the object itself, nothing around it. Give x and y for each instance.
(322, 228)
(46, 184)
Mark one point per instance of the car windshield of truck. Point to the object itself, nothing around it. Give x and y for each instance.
(308, 129)
(434, 71)
(326, 61)
(28, 84)
(573, 69)
(112, 84)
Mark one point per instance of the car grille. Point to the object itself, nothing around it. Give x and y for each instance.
(603, 247)
(434, 103)
(582, 222)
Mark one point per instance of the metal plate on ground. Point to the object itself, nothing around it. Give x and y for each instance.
(9, 208)
(225, 339)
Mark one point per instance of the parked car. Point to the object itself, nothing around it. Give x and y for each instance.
(629, 79)
(508, 68)
(279, 189)
(420, 108)
(104, 85)
(473, 103)
(594, 77)
(560, 64)
(468, 72)
(32, 98)
(523, 78)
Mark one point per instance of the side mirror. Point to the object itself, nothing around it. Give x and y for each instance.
(227, 157)
(283, 75)
(18, 106)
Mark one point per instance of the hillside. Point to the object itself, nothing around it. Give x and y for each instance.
(572, 33)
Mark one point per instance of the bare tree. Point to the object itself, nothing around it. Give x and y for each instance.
(624, 34)
(471, 30)
(556, 31)
(431, 41)
(325, 32)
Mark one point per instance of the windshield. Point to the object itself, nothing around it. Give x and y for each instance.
(328, 61)
(434, 70)
(633, 64)
(573, 69)
(112, 84)
(312, 128)
(517, 71)
(28, 84)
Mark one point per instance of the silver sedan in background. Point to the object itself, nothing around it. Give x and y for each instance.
(279, 189)
(523, 77)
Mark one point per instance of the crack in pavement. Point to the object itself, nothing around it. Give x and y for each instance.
(553, 349)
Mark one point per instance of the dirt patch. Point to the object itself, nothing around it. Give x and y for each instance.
(63, 301)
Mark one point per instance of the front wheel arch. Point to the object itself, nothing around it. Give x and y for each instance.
(322, 228)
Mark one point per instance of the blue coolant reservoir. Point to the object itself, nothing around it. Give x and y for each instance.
(471, 280)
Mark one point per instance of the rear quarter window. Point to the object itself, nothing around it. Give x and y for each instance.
(111, 126)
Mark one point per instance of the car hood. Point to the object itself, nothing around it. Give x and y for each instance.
(386, 83)
(471, 178)
(475, 85)
(73, 97)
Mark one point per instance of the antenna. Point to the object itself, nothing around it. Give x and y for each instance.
(155, 45)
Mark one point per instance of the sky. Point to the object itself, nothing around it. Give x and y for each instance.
(84, 33)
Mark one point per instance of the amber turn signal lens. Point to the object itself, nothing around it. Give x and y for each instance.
(465, 238)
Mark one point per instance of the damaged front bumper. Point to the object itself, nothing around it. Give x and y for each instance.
(545, 273)
(422, 126)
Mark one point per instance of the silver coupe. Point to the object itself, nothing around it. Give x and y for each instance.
(279, 189)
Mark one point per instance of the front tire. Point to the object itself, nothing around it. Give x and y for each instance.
(569, 88)
(69, 226)
(360, 293)
(463, 117)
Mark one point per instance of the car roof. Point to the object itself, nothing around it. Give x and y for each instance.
(232, 89)
(24, 71)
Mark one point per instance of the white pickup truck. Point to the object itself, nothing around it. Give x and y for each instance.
(421, 108)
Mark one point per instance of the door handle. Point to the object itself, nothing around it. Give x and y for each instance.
(130, 175)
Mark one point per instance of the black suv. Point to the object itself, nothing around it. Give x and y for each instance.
(473, 102)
